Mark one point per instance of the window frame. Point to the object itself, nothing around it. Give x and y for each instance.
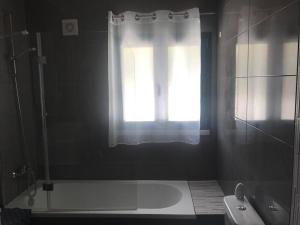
(205, 96)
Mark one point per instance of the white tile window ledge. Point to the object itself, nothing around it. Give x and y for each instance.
(204, 132)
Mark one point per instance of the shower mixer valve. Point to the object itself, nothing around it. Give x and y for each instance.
(19, 172)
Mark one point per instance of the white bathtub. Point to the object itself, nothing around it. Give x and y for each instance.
(111, 198)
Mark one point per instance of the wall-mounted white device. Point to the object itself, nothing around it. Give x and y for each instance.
(70, 27)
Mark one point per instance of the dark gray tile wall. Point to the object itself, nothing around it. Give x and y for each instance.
(11, 154)
(257, 64)
(77, 97)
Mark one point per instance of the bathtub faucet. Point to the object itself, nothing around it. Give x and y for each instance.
(19, 172)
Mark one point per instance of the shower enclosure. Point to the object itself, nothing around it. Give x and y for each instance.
(76, 172)
(68, 195)
(62, 195)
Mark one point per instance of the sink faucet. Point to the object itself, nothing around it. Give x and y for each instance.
(239, 191)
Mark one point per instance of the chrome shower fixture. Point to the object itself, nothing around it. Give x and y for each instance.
(22, 53)
(22, 33)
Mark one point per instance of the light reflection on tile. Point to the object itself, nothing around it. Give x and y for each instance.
(289, 59)
(288, 99)
(241, 55)
(241, 98)
(258, 58)
(257, 99)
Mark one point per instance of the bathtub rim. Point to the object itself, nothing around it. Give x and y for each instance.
(114, 213)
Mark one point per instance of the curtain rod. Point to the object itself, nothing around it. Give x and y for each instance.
(185, 14)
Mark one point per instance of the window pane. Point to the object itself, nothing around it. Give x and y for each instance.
(138, 87)
(184, 83)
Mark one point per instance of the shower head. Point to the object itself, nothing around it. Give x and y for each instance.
(22, 53)
(14, 34)
(24, 32)
(32, 49)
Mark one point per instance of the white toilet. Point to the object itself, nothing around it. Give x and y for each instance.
(240, 212)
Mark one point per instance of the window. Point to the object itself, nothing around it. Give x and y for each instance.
(154, 78)
(183, 85)
(138, 84)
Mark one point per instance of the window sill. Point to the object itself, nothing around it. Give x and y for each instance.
(204, 132)
(146, 132)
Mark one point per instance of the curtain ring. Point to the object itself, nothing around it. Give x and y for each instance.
(154, 16)
(137, 17)
(186, 15)
(170, 16)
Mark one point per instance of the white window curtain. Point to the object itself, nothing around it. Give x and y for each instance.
(154, 77)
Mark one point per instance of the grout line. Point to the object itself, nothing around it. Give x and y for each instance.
(269, 76)
(269, 135)
(236, 36)
(260, 130)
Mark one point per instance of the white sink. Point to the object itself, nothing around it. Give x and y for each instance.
(241, 212)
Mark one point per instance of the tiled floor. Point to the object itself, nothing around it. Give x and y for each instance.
(207, 197)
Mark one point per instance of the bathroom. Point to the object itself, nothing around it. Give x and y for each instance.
(232, 150)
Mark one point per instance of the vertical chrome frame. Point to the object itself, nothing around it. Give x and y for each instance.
(41, 61)
(295, 208)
